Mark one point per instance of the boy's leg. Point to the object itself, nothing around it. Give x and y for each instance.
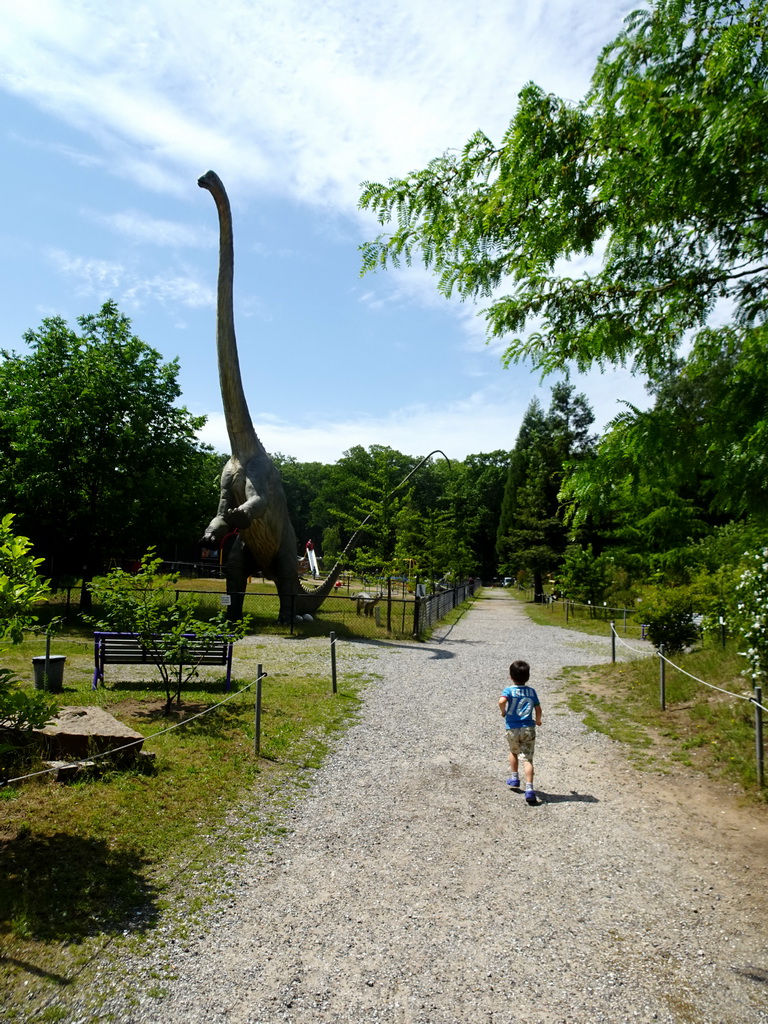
(528, 769)
(513, 762)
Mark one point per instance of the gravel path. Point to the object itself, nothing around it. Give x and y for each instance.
(414, 887)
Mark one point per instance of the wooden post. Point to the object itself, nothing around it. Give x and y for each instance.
(662, 679)
(759, 736)
(613, 642)
(257, 724)
(333, 661)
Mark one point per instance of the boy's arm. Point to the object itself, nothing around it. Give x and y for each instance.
(537, 714)
(503, 705)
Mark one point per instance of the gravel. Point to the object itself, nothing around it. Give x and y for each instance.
(413, 886)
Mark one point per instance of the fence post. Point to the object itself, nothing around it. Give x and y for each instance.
(613, 642)
(257, 719)
(416, 604)
(333, 661)
(389, 605)
(759, 736)
(662, 679)
(567, 602)
(625, 622)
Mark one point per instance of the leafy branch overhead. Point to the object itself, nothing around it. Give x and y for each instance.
(657, 179)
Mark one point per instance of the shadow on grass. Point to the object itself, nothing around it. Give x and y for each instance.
(63, 887)
(214, 686)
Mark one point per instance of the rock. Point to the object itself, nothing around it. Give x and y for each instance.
(80, 732)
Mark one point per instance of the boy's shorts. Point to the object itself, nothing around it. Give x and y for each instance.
(522, 741)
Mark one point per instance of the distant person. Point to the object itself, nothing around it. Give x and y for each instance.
(521, 711)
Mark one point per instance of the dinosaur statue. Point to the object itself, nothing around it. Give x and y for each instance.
(252, 495)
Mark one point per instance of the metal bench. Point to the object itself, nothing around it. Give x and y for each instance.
(127, 649)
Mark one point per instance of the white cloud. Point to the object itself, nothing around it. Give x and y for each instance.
(92, 276)
(486, 420)
(141, 228)
(106, 279)
(309, 99)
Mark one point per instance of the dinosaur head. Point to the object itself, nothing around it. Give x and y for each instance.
(209, 180)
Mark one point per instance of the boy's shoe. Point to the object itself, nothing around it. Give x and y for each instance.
(530, 796)
(513, 782)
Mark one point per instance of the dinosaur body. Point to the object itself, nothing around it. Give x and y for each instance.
(252, 496)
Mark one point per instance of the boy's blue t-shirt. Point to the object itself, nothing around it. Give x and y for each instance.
(521, 700)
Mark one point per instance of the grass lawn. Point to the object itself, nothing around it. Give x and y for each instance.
(85, 863)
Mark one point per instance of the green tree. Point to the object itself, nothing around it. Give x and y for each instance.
(664, 477)
(141, 603)
(307, 485)
(582, 576)
(96, 457)
(476, 492)
(659, 176)
(21, 588)
(369, 501)
(532, 533)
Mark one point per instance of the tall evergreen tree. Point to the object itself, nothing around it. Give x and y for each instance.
(532, 534)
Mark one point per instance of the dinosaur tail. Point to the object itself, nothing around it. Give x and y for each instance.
(308, 601)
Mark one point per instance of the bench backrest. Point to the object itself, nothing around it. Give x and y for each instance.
(128, 649)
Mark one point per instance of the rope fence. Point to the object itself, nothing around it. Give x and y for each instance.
(145, 739)
(756, 699)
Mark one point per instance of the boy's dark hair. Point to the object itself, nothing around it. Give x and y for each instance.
(519, 671)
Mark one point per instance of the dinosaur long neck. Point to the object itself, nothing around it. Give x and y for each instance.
(242, 436)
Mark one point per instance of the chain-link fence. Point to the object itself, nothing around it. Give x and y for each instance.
(388, 609)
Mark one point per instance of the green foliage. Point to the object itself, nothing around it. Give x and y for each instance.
(96, 456)
(21, 709)
(532, 532)
(752, 610)
(140, 604)
(20, 589)
(662, 165)
(582, 576)
(444, 520)
(669, 615)
(663, 477)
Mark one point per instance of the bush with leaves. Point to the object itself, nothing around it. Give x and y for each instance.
(752, 611)
(21, 588)
(582, 576)
(670, 619)
(142, 604)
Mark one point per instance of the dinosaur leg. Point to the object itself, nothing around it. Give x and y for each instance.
(286, 588)
(239, 566)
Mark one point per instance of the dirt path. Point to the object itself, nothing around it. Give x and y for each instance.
(415, 887)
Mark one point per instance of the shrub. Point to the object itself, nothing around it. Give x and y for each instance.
(670, 619)
(582, 576)
(140, 604)
(752, 611)
(20, 590)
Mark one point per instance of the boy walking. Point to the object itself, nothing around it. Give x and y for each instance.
(521, 711)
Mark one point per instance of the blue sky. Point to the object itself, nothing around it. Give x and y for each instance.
(109, 114)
